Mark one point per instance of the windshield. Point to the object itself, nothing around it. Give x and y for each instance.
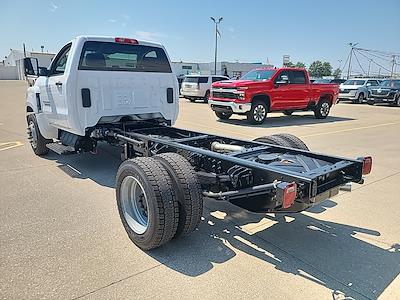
(354, 82)
(258, 75)
(196, 79)
(391, 83)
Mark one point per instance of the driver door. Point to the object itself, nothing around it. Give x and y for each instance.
(55, 106)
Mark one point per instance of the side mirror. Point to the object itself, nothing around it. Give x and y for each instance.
(31, 66)
(369, 84)
(284, 79)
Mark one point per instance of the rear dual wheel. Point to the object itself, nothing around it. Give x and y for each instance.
(284, 140)
(158, 199)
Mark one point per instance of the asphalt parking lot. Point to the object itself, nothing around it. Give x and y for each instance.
(61, 237)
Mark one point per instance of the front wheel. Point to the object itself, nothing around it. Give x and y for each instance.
(258, 113)
(37, 141)
(223, 115)
(322, 109)
(206, 97)
(360, 98)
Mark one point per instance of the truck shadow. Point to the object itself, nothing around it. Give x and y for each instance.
(326, 253)
(277, 120)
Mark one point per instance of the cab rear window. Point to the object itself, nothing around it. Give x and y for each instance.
(108, 56)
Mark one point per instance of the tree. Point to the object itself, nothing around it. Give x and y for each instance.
(292, 65)
(300, 65)
(337, 73)
(319, 69)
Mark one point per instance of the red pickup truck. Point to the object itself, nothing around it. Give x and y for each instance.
(267, 90)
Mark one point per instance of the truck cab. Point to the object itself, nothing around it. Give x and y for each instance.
(102, 80)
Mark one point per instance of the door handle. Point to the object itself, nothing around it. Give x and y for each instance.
(59, 83)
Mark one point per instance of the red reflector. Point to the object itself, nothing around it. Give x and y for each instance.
(367, 165)
(126, 41)
(289, 195)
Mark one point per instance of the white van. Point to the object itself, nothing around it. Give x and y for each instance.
(198, 86)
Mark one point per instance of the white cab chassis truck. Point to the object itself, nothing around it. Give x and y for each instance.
(123, 91)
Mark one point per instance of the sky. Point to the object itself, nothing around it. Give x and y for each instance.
(251, 31)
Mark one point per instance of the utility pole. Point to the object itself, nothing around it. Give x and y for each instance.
(351, 54)
(216, 41)
(393, 64)
(369, 66)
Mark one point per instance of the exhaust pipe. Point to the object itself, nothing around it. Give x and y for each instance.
(219, 147)
(346, 187)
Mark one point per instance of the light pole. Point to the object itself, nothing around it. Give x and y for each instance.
(216, 41)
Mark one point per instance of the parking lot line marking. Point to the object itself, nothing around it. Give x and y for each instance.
(9, 145)
(350, 129)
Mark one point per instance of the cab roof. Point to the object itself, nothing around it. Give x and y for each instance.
(112, 39)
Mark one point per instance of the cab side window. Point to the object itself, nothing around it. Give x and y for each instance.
(283, 76)
(297, 77)
(373, 82)
(60, 62)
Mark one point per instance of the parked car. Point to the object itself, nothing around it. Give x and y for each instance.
(323, 81)
(387, 92)
(198, 86)
(266, 90)
(356, 90)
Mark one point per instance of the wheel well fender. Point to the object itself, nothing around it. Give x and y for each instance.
(328, 97)
(262, 97)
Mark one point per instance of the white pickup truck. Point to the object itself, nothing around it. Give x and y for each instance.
(97, 80)
(122, 91)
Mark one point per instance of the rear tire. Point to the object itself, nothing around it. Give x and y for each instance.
(257, 113)
(223, 115)
(146, 202)
(274, 140)
(322, 109)
(37, 141)
(293, 140)
(188, 191)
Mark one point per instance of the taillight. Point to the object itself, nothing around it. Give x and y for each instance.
(367, 165)
(286, 193)
(122, 40)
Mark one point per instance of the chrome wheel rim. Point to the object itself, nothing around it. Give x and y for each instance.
(259, 113)
(324, 109)
(32, 134)
(134, 204)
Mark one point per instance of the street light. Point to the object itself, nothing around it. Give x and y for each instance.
(216, 41)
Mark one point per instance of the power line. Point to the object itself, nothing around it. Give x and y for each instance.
(359, 63)
(359, 52)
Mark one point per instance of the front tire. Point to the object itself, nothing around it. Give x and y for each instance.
(322, 109)
(146, 202)
(223, 115)
(206, 97)
(258, 113)
(359, 99)
(37, 141)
